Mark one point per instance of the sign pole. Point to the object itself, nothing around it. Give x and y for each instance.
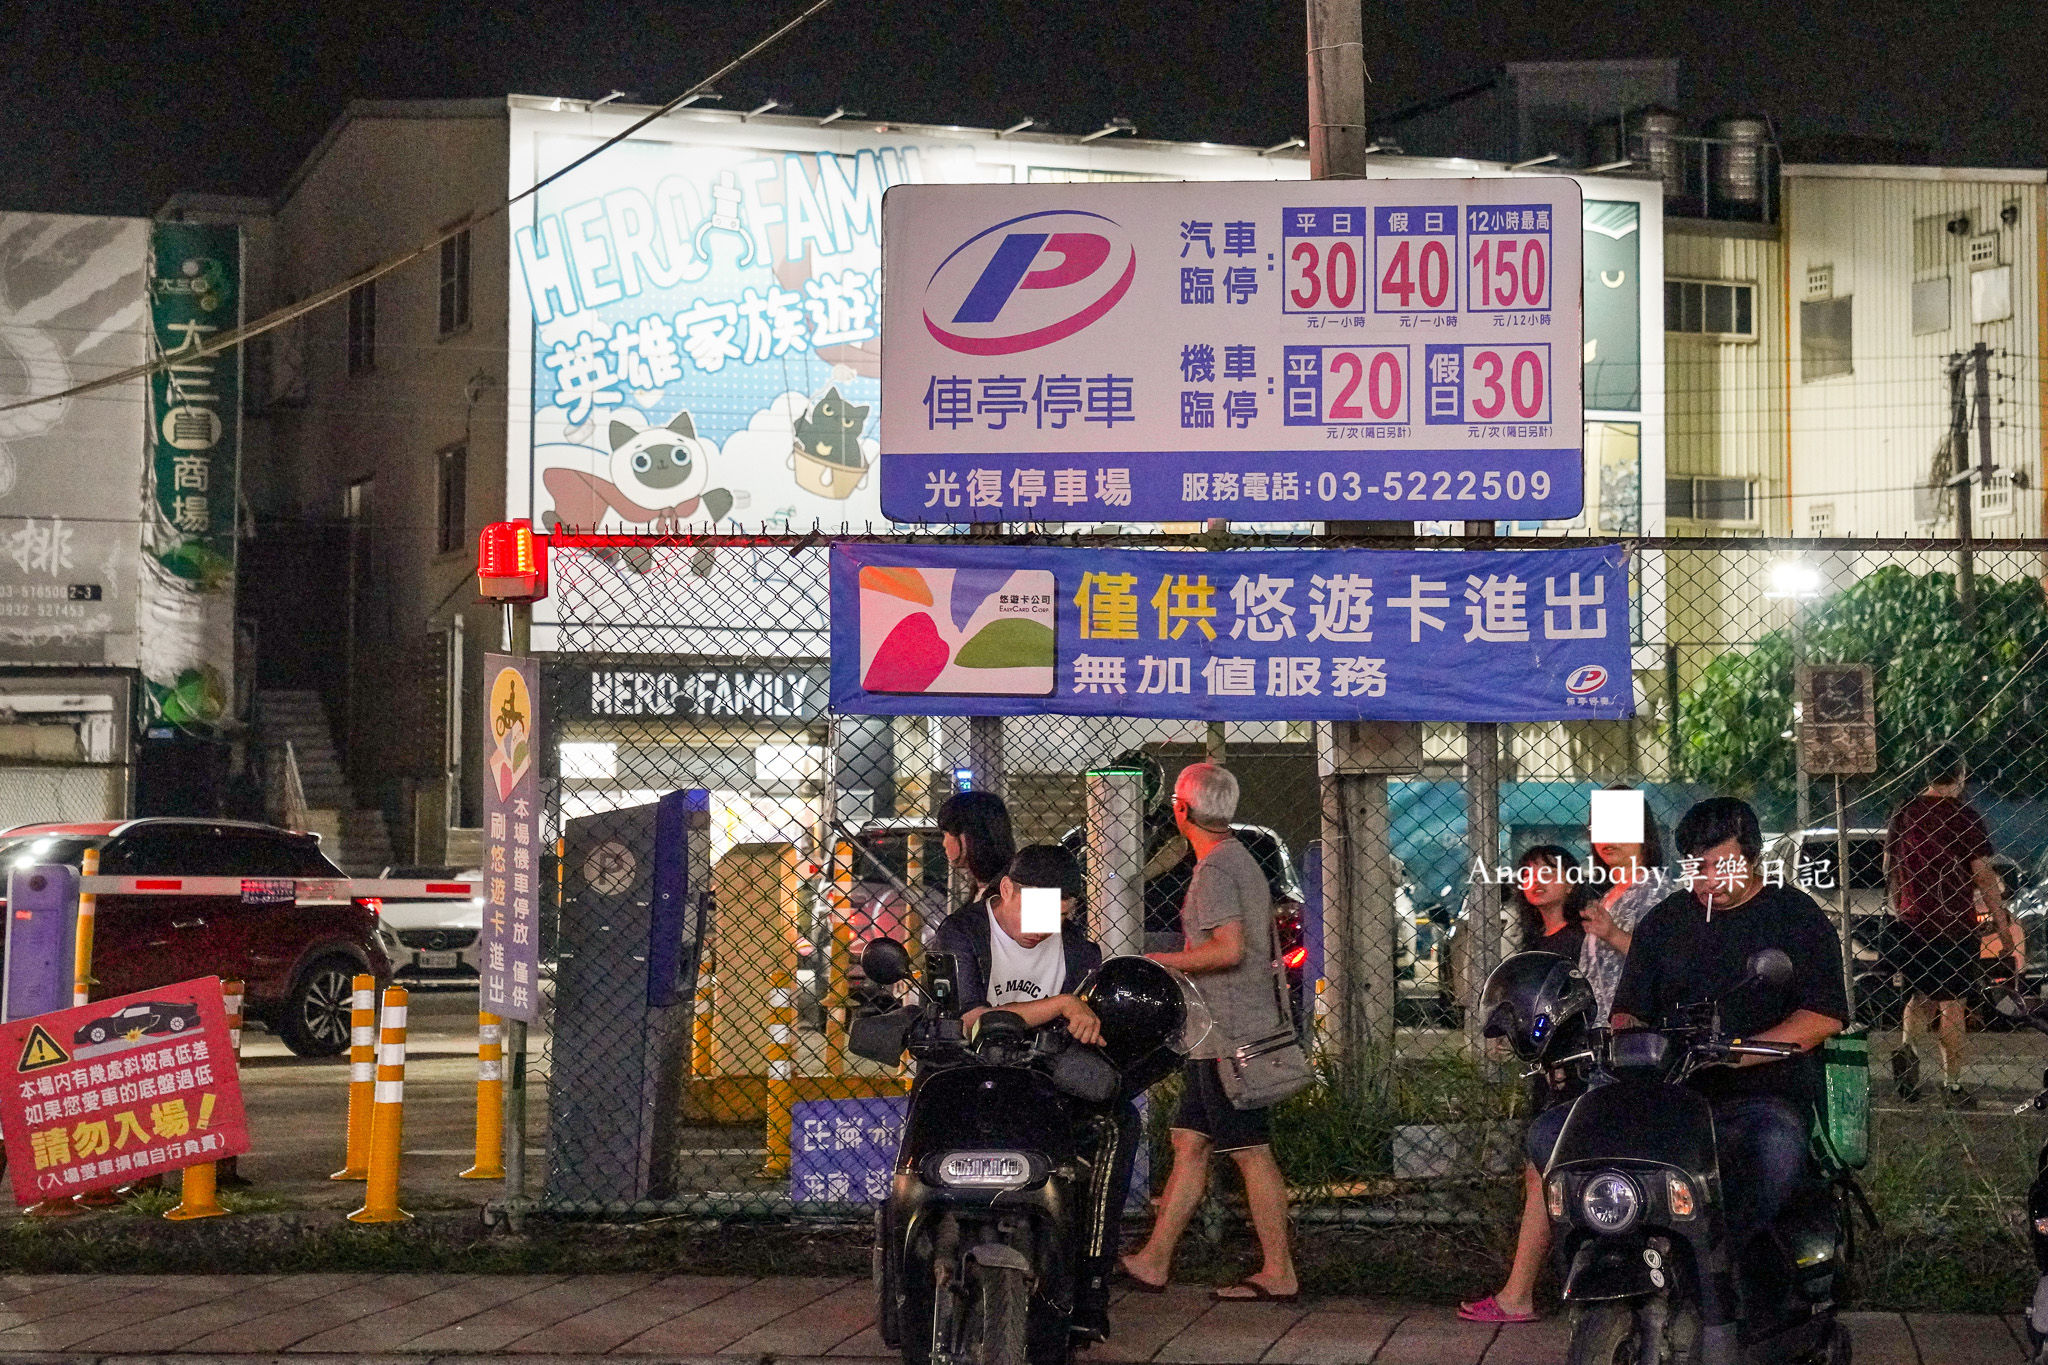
(518, 637)
(1842, 900)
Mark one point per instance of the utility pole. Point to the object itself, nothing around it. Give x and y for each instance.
(1359, 891)
(1960, 481)
(1483, 919)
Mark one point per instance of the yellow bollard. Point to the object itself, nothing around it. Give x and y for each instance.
(490, 1099)
(362, 1077)
(838, 998)
(781, 1059)
(702, 1021)
(81, 974)
(387, 1118)
(197, 1199)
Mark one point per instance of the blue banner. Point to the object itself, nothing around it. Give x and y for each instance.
(1239, 635)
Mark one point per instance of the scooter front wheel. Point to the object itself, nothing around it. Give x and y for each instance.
(1608, 1334)
(997, 1317)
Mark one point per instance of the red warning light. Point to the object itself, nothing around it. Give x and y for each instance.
(512, 562)
(1296, 956)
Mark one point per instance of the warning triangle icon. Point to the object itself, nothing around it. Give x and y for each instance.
(41, 1051)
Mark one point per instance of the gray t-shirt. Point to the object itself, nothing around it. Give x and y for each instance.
(1228, 886)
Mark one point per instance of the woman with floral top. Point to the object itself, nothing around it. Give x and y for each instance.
(1632, 883)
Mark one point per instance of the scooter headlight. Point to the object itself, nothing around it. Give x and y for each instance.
(984, 1170)
(1610, 1202)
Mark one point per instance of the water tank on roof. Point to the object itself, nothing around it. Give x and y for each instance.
(1739, 161)
(1651, 146)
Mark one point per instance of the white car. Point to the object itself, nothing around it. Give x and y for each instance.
(437, 940)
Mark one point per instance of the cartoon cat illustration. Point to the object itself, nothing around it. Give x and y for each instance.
(827, 454)
(659, 477)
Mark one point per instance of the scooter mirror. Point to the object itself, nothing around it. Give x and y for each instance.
(1771, 966)
(885, 962)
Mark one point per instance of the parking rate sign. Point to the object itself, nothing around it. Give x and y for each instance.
(1269, 351)
(102, 1094)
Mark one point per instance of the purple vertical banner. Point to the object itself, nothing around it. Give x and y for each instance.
(512, 834)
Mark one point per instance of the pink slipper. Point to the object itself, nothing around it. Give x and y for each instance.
(1488, 1309)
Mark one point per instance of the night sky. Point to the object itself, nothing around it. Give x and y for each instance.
(111, 107)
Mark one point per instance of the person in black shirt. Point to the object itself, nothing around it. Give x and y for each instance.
(1696, 946)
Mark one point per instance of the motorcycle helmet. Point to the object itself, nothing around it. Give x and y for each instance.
(1152, 1017)
(1541, 1004)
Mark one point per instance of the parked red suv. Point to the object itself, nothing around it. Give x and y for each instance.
(297, 960)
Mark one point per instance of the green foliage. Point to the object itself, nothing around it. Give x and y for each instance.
(1938, 679)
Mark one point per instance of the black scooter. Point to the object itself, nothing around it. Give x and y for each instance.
(1639, 1222)
(1003, 1182)
(2037, 1199)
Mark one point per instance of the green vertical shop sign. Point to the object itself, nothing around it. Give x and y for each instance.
(187, 632)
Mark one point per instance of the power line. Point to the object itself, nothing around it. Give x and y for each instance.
(229, 340)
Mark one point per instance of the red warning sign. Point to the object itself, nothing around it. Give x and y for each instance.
(106, 1093)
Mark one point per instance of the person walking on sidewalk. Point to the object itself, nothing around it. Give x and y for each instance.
(1937, 863)
(1228, 922)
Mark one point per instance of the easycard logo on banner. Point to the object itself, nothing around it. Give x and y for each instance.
(1029, 281)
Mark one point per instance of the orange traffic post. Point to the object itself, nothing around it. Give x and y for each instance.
(387, 1118)
(197, 1199)
(81, 973)
(362, 1078)
(81, 994)
(490, 1099)
(227, 1172)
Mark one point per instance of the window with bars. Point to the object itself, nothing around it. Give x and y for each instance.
(362, 328)
(1824, 339)
(455, 283)
(1710, 308)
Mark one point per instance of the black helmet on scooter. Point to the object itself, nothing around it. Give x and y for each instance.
(1152, 1017)
(1541, 1004)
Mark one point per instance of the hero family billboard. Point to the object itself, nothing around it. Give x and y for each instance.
(698, 315)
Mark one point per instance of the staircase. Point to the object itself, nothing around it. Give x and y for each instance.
(357, 839)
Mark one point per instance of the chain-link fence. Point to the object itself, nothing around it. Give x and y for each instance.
(721, 1081)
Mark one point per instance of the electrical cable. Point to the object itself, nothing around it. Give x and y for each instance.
(229, 340)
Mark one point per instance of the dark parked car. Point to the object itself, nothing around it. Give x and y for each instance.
(297, 960)
(163, 1018)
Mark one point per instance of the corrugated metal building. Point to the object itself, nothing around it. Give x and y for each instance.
(1889, 270)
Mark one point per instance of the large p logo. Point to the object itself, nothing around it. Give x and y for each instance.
(1029, 281)
(1081, 255)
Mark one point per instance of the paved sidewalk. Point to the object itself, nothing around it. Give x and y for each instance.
(538, 1319)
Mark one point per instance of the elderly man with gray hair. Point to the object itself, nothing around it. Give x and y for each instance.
(1228, 921)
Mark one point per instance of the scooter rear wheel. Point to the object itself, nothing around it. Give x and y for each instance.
(997, 1316)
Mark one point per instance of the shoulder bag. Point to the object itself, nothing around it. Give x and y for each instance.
(1261, 1073)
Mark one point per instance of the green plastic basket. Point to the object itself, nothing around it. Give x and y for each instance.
(1846, 1122)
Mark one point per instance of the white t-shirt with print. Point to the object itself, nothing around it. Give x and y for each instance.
(1018, 975)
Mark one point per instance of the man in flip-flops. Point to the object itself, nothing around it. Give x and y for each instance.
(1228, 919)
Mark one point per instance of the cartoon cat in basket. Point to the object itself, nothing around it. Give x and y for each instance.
(825, 450)
(660, 477)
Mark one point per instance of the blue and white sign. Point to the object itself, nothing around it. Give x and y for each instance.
(1232, 635)
(1383, 349)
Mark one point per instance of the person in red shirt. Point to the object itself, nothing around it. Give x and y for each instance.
(1937, 861)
